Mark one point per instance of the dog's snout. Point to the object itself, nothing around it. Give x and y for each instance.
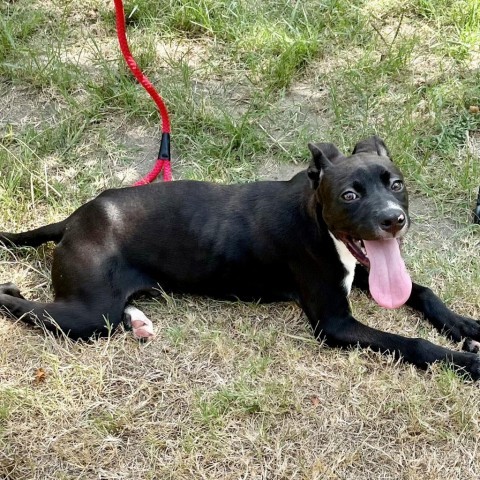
(393, 221)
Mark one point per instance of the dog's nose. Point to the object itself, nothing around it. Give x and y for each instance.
(393, 221)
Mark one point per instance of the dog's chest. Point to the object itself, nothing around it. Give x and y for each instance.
(348, 261)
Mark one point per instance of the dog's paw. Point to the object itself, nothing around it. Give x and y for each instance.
(474, 368)
(142, 326)
(464, 327)
(470, 345)
(10, 289)
(467, 365)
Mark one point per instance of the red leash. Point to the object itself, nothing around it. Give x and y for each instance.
(163, 160)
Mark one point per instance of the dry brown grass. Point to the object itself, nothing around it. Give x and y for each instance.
(229, 391)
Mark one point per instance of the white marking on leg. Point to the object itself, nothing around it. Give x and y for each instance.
(474, 346)
(348, 261)
(141, 325)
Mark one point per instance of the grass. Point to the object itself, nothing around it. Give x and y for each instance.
(232, 390)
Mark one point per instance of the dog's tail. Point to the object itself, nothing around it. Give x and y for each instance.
(34, 238)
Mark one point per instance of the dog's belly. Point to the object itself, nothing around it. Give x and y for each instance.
(232, 280)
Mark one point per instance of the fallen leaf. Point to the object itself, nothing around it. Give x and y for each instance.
(40, 375)
(315, 400)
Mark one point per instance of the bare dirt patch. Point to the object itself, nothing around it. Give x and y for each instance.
(23, 106)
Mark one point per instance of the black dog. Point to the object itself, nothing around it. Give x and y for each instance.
(307, 240)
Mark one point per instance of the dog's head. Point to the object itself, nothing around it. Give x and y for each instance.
(364, 203)
(363, 196)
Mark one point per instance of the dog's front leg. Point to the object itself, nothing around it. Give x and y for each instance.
(326, 307)
(424, 301)
(443, 319)
(422, 353)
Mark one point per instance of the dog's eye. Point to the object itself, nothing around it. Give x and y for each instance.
(397, 186)
(349, 196)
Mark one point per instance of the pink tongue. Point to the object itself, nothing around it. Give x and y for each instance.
(390, 284)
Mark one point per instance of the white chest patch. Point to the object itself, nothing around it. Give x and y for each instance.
(348, 261)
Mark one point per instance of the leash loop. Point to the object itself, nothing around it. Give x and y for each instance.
(163, 160)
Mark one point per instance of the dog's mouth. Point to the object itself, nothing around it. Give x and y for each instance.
(389, 282)
(356, 248)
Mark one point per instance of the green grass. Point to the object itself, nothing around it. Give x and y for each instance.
(233, 390)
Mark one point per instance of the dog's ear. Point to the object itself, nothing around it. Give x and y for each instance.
(372, 144)
(322, 156)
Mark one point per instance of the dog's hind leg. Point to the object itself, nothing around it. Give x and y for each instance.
(136, 320)
(75, 318)
(88, 300)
